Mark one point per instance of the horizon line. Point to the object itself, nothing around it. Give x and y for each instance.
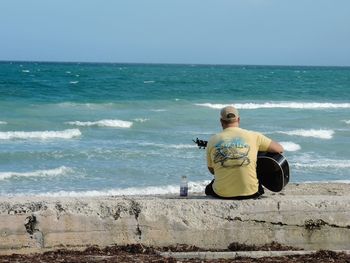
(171, 63)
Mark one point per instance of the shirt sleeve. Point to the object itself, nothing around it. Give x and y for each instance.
(209, 160)
(263, 142)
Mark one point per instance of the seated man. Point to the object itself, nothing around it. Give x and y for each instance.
(232, 158)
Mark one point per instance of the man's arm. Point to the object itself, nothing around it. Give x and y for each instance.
(275, 147)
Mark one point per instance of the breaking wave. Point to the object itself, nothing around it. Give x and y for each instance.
(3, 122)
(288, 105)
(324, 163)
(158, 110)
(103, 123)
(173, 146)
(84, 105)
(290, 146)
(40, 135)
(63, 170)
(141, 120)
(194, 187)
(327, 182)
(321, 134)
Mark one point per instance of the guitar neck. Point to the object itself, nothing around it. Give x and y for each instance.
(202, 144)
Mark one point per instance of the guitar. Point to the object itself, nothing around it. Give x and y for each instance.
(272, 168)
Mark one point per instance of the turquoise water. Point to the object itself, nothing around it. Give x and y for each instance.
(93, 129)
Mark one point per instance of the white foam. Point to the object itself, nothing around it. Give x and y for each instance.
(346, 121)
(148, 81)
(313, 161)
(25, 71)
(174, 146)
(327, 182)
(74, 82)
(141, 119)
(194, 187)
(39, 173)
(290, 146)
(323, 163)
(41, 135)
(103, 123)
(321, 134)
(3, 122)
(182, 146)
(288, 105)
(159, 110)
(84, 105)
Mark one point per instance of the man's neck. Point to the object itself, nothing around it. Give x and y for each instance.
(231, 125)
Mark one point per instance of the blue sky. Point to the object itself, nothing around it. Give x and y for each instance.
(260, 32)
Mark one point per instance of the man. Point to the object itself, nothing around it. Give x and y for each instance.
(232, 158)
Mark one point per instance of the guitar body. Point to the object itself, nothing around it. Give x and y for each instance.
(272, 170)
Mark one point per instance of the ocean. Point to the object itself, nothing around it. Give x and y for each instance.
(84, 129)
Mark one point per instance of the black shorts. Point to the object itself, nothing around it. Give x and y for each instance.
(210, 191)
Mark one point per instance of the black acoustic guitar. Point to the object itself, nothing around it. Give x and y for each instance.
(272, 168)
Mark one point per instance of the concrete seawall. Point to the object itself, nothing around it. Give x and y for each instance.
(305, 216)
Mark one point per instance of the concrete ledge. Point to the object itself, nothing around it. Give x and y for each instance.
(238, 254)
(306, 216)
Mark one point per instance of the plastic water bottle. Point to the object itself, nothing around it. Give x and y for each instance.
(184, 186)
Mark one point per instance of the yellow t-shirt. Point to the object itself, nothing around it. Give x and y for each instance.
(233, 155)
